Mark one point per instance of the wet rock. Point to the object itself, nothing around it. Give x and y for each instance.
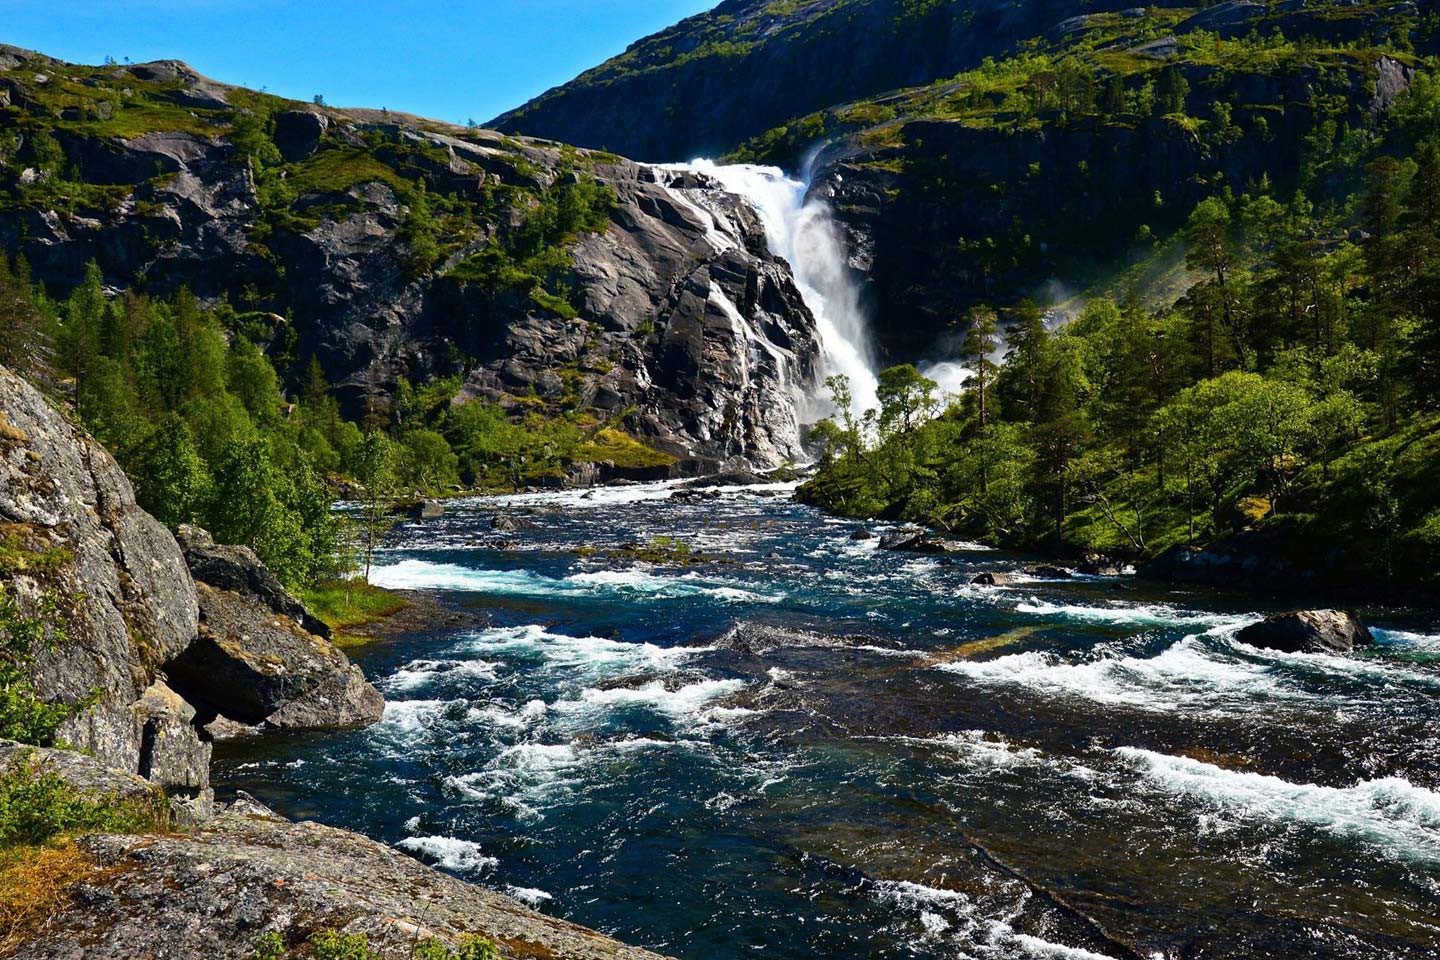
(1098, 565)
(1308, 631)
(252, 665)
(209, 893)
(734, 478)
(507, 523)
(1049, 572)
(862, 533)
(912, 541)
(992, 579)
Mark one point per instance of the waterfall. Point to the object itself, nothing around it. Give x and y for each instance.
(804, 233)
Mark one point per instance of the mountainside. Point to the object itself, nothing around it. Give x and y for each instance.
(1075, 149)
(716, 79)
(389, 247)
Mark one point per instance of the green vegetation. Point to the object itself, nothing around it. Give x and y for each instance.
(38, 806)
(40, 813)
(344, 605)
(333, 945)
(1094, 74)
(24, 631)
(1291, 393)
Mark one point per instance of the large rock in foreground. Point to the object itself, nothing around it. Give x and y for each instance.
(259, 656)
(126, 603)
(1308, 631)
(211, 892)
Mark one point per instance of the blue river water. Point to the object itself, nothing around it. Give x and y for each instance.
(811, 748)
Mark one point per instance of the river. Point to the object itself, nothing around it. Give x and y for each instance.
(812, 748)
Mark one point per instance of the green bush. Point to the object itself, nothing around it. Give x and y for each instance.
(37, 806)
(24, 717)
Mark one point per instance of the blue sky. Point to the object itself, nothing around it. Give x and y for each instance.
(453, 60)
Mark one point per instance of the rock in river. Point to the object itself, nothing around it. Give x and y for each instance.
(1308, 631)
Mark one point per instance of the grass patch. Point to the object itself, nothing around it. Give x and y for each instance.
(346, 604)
(622, 450)
(40, 814)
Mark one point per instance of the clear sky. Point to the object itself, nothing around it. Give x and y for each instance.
(458, 60)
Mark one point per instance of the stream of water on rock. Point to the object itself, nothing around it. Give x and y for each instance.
(814, 748)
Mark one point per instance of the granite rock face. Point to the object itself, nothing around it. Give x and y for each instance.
(155, 653)
(127, 601)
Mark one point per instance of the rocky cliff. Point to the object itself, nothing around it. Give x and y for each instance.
(150, 657)
(387, 246)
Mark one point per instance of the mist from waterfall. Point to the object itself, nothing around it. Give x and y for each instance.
(803, 232)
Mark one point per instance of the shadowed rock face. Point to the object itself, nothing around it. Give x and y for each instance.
(707, 84)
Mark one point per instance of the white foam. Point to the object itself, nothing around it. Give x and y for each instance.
(418, 673)
(960, 919)
(1183, 676)
(531, 896)
(586, 656)
(1407, 639)
(450, 853)
(685, 702)
(1391, 813)
(1123, 614)
(412, 574)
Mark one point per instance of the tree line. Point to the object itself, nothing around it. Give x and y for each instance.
(1294, 390)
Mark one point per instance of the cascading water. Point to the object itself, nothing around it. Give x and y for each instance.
(804, 233)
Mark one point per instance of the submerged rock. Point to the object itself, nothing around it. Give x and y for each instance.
(1308, 631)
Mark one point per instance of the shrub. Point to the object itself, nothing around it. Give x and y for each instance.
(24, 717)
(332, 945)
(36, 806)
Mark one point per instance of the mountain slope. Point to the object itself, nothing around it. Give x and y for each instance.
(387, 246)
(714, 80)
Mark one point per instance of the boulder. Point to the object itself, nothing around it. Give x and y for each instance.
(862, 533)
(298, 133)
(991, 579)
(1049, 572)
(253, 665)
(1308, 631)
(239, 570)
(911, 541)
